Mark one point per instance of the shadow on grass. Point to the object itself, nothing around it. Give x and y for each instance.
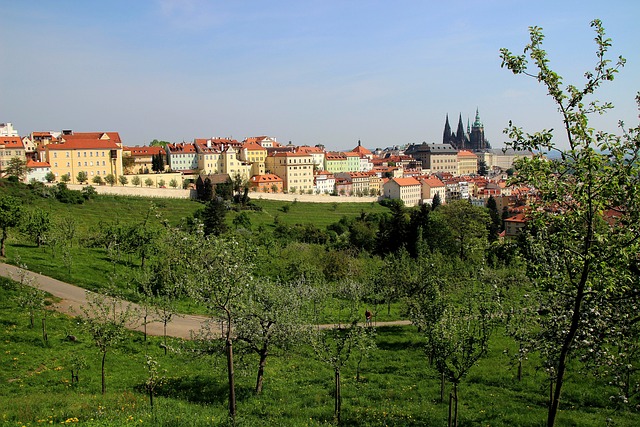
(197, 389)
(399, 338)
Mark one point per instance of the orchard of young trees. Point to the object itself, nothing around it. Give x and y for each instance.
(566, 290)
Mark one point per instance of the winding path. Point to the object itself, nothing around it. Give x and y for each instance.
(73, 297)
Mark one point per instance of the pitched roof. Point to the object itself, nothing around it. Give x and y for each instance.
(332, 155)
(269, 177)
(181, 147)
(252, 145)
(33, 165)
(144, 150)
(287, 154)
(466, 153)
(84, 144)
(403, 182)
(309, 150)
(113, 136)
(433, 182)
(361, 150)
(11, 142)
(521, 217)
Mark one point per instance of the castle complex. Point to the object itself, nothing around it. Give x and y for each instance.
(473, 139)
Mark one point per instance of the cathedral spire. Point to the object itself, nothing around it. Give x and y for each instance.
(446, 137)
(477, 122)
(460, 136)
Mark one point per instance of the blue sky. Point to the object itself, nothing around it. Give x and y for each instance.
(311, 72)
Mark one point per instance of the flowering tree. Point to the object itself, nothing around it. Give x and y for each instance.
(583, 235)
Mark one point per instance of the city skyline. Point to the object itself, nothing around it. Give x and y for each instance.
(328, 72)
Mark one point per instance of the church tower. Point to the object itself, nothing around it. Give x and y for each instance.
(477, 139)
(446, 137)
(461, 139)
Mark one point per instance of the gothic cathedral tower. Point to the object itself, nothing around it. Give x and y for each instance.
(472, 139)
(477, 140)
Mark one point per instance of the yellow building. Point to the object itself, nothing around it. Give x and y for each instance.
(10, 147)
(406, 189)
(467, 163)
(254, 153)
(95, 153)
(296, 170)
(143, 158)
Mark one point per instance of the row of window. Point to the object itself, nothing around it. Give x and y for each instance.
(7, 153)
(55, 164)
(80, 154)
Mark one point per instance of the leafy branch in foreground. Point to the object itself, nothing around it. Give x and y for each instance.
(583, 232)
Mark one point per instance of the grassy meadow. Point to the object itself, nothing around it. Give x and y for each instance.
(397, 387)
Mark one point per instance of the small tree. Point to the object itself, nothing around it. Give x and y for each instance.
(65, 178)
(161, 183)
(334, 346)
(10, 215)
(16, 167)
(136, 181)
(97, 180)
(37, 225)
(50, 177)
(106, 318)
(221, 275)
(148, 182)
(460, 338)
(82, 177)
(271, 318)
(123, 180)
(173, 183)
(242, 220)
(582, 240)
(32, 298)
(213, 217)
(110, 179)
(154, 380)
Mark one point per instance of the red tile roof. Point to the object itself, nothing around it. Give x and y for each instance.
(402, 182)
(181, 147)
(361, 150)
(466, 153)
(31, 164)
(433, 182)
(11, 141)
(84, 144)
(113, 136)
(251, 145)
(269, 177)
(144, 151)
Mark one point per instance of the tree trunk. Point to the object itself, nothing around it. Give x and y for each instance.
(566, 345)
(165, 337)
(442, 381)
(104, 385)
(450, 418)
(261, 365)
(455, 401)
(45, 337)
(232, 386)
(2, 246)
(338, 400)
(520, 369)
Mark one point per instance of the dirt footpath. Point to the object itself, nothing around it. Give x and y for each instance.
(72, 298)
